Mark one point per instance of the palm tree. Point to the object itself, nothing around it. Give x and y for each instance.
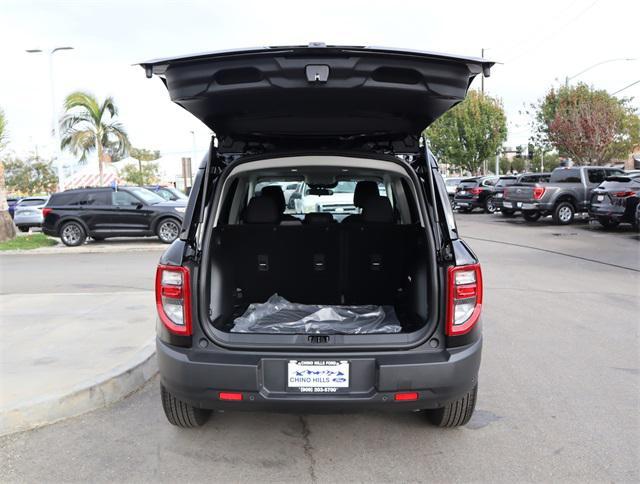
(88, 125)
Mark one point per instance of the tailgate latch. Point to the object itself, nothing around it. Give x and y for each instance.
(317, 73)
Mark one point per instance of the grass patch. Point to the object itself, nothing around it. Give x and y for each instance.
(27, 242)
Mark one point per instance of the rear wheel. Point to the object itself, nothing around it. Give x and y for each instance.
(168, 230)
(182, 414)
(23, 228)
(530, 215)
(455, 413)
(507, 213)
(72, 234)
(608, 223)
(563, 213)
(489, 205)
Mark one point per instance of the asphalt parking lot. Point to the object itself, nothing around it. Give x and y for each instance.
(558, 398)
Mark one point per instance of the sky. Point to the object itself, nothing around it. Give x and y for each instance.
(537, 43)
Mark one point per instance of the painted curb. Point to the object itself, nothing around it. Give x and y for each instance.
(63, 249)
(99, 392)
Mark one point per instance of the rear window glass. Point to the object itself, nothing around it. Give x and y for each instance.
(469, 183)
(28, 202)
(452, 182)
(505, 182)
(337, 199)
(566, 175)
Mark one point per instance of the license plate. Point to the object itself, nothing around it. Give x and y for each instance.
(498, 195)
(600, 198)
(462, 192)
(508, 204)
(519, 204)
(528, 206)
(317, 376)
(462, 204)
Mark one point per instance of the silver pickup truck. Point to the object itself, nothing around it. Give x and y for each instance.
(568, 192)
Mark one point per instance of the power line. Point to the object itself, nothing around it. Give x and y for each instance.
(625, 87)
(554, 32)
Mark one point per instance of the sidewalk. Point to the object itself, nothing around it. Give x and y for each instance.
(76, 333)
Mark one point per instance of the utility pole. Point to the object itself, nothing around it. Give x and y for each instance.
(482, 76)
(54, 116)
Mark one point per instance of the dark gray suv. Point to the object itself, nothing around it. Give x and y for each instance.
(263, 306)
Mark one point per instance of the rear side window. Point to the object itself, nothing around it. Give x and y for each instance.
(124, 199)
(97, 198)
(566, 175)
(67, 198)
(596, 176)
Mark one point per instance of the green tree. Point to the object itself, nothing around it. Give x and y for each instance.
(7, 228)
(89, 125)
(146, 174)
(589, 125)
(30, 177)
(469, 134)
(142, 155)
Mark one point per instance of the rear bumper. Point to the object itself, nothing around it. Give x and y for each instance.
(197, 377)
(467, 202)
(609, 211)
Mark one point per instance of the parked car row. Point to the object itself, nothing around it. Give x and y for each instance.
(608, 195)
(103, 212)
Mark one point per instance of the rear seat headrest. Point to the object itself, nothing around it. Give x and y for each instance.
(262, 210)
(364, 190)
(318, 218)
(377, 210)
(275, 192)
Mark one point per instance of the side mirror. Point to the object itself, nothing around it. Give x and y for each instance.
(138, 205)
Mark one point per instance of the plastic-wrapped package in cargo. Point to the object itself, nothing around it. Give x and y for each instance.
(280, 316)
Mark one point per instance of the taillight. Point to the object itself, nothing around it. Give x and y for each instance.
(475, 191)
(406, 396)
(46, 211)
(173, 298)
(538, 192)
(624, 194)
(465, 299)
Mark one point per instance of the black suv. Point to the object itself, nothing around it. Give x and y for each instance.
(99, 213)
(476, 192)
(261, 306)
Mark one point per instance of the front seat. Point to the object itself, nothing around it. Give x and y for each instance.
(365, 190)
(277, 195)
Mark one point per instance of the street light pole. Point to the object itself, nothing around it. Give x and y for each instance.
(568, 78)
(54, 117)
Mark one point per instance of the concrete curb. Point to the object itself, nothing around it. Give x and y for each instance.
(99, 392)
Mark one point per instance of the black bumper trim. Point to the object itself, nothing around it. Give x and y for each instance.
(197, 377)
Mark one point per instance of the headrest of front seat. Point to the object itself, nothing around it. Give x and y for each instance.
(261, 210)
(364, 190)
(377, 210)
(318, 218)
(275, 192)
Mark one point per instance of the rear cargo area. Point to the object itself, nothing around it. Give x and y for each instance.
(350, 279)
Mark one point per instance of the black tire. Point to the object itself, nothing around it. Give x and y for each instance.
(489, 205)
(563, 213)
(182, 414)
(455, 413)
(168, 230)
(608, 223)
(23, 228)
(530, 215)
(72, 234)
(507, 213)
